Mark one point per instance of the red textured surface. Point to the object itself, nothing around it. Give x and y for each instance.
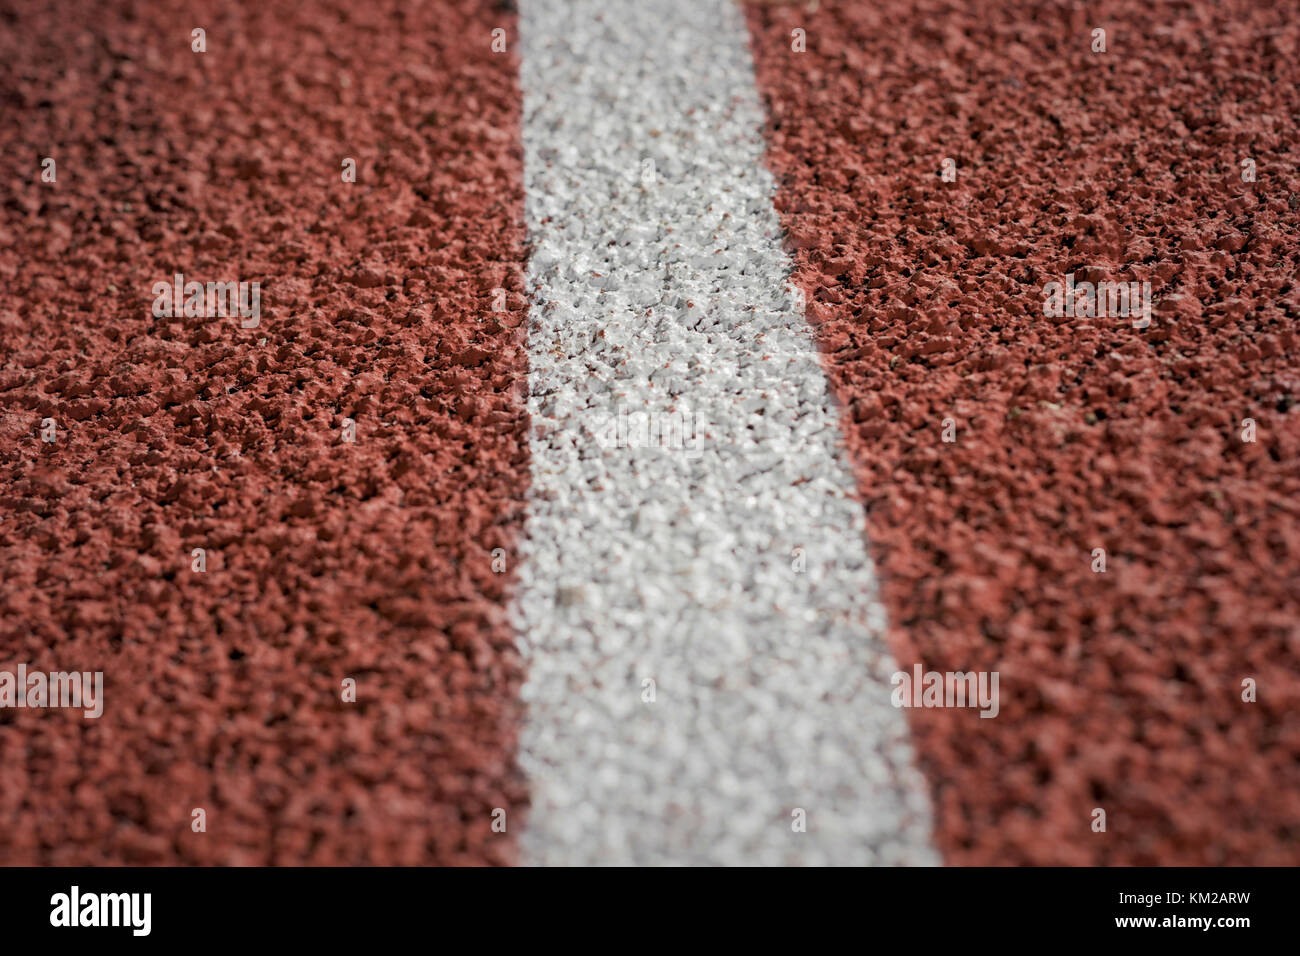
(1119, 690)
(325, 560)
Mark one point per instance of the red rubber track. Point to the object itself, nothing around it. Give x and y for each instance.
(326, 560)
(1122, 690)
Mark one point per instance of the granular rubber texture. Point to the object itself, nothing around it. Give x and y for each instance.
(325, 559)
(1119, 690)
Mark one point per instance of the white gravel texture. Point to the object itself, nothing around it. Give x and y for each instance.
(677, 564)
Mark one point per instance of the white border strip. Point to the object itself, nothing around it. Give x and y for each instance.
(666, 302)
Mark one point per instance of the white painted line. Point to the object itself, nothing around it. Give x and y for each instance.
(677, 564)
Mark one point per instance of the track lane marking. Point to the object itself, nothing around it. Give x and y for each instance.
(658, 286)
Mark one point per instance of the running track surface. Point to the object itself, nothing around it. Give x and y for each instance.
(374, 560)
